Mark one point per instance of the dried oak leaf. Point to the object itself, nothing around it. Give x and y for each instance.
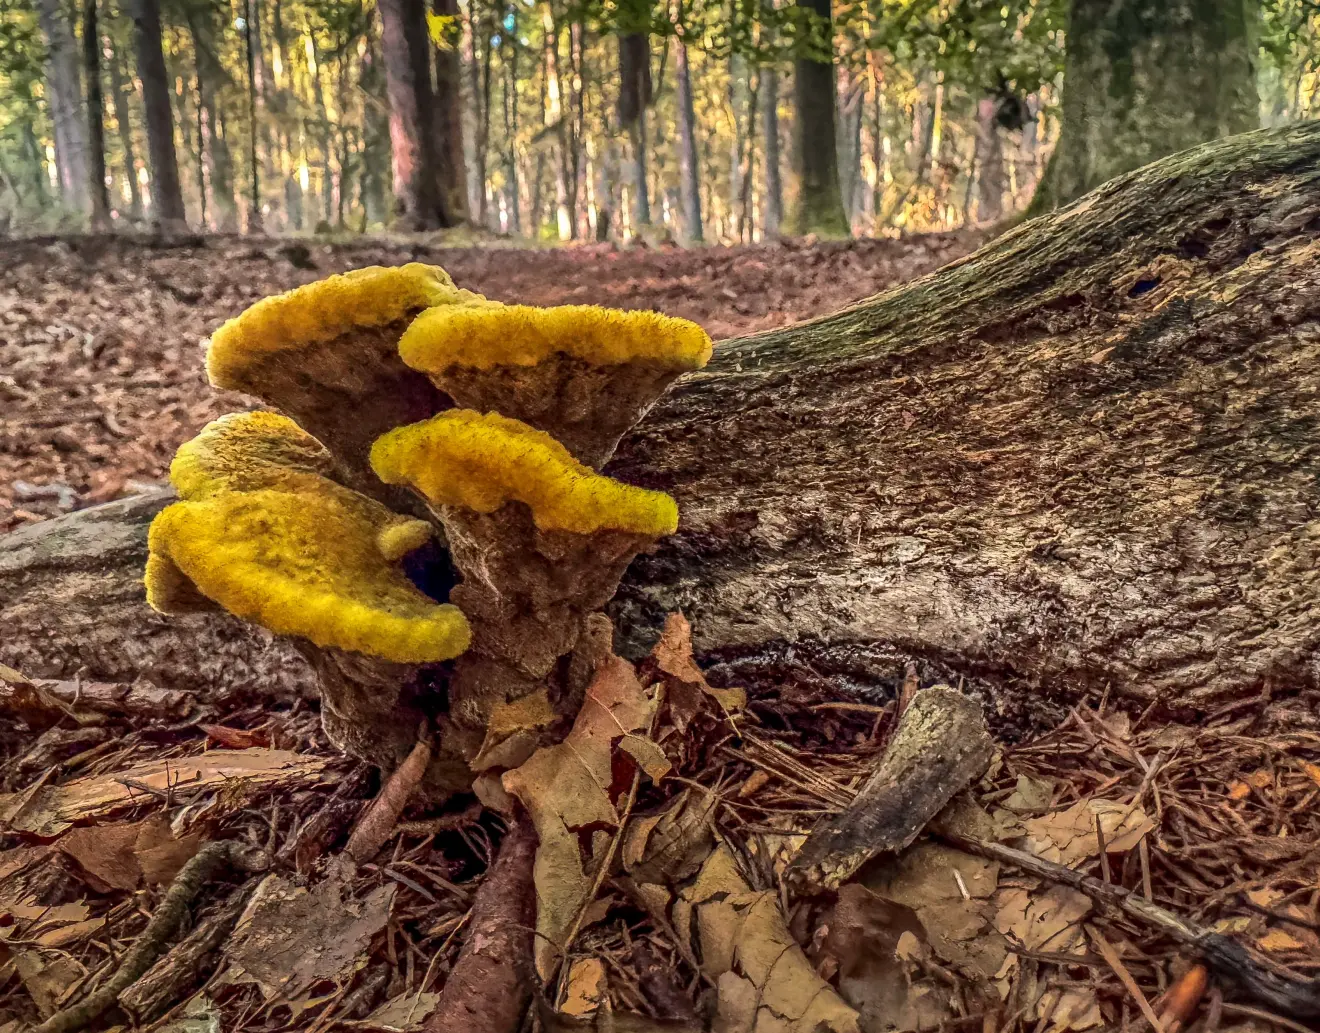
(764, 981)
(1068, 837)
(572, 792)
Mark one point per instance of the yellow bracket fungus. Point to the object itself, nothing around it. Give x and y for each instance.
(321, 311)
(522, 335)
(581, 373)
(465, 458)
(301, 564)
(327, 355)
(261, 533)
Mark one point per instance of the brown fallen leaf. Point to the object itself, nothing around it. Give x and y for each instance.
(1068, 837)
(764, 981)
(47, 976)
(513, 731)
(586, 987)
(570, 789)
(106, 853)
(290, 938)
(686, 684)
(406, 1011)
(1280, 940)
(50, 809)
(160, 853)
(236, 738)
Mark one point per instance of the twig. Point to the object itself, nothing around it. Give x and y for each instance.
(1110, 955)
(377, 824)
(1265, 1016)
(1283, 992)
(490, 984)
(153, 939)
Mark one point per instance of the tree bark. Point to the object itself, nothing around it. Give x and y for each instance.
(211, 80)
(64, 95)
(1082, 459)
(1146, 78)
(405, 42)
(689, 182)
(449, 112)
(100, 194)
(634, 98)
(818, 207)
(166, 194)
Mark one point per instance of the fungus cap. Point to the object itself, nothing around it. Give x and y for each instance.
(303, 563)
(244, 451)
(483, 337)
(318, 312)
(464, 458)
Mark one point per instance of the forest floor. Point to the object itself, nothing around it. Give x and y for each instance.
(102, 340)
(1118, 872)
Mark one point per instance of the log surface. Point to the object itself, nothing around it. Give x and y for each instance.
(1084, 457)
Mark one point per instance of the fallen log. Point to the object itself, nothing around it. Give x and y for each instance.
(1082, 458)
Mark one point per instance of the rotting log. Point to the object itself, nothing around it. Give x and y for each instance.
(1083, 458)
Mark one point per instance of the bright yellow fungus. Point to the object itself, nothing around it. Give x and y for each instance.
(321, 311)
(483, 337)
(301, 563)
(245, 451)
(465, 458)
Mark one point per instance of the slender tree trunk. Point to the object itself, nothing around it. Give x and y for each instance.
(510, 43)
(689, 179)
(634, 98)
(748, 172)
(124, 128)
(449, 111)
(404, 39)
(210, 77)
(1135, 516)
(772, 212)
(480, 117)
(849, 146)
(251, 51)
(96, 186)
(375, 134)
(166, 194)
(818, 207)
(36, 161)
(483, 125)
(64, 95)
(990, 153)
(1145, 78)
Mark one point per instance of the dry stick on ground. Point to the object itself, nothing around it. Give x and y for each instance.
(1283, 992)
(377, 825)
(184, 966)
(151, 943)
(488, 990)
(940, 745)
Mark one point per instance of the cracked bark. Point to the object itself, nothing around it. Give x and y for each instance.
(1083, 457)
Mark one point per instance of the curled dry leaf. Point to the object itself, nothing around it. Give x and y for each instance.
(687, 688)
(118, 856)
(586, 987)
(765, 982)
(571, 792)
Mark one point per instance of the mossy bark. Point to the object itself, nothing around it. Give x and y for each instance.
(1084, 458)
(1147, 78)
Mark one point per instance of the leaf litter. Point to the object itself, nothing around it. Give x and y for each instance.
(683, 798)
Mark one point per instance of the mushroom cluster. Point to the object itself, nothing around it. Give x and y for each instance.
(410, 412)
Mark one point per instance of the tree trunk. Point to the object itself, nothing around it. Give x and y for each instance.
(210, 78)
(634, 98)
(124, 128)
(1082, 459)
(256, 223)
(449, 113)
(772, 215)
(100, 194)
(689, 182)
(990, 155)
(404, 40)
(166, 194)
(818, 207)
(1146, 78)
(64, 95)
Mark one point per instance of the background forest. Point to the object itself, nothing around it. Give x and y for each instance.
(553, 119)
